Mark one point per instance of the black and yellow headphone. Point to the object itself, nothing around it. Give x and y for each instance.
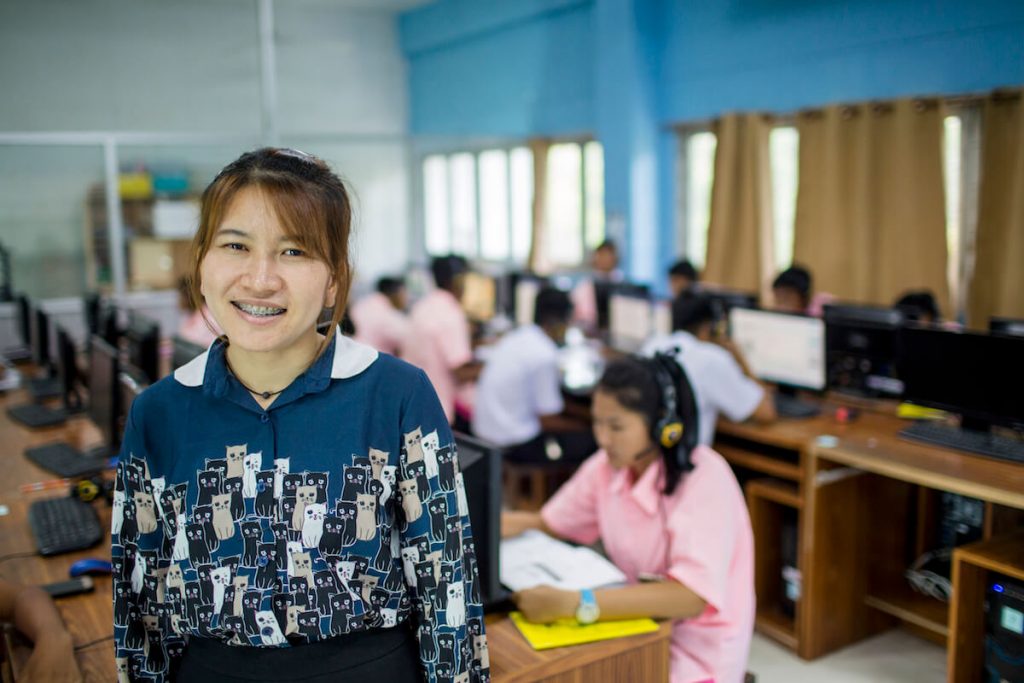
(670, 430)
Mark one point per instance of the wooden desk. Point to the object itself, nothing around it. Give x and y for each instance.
(636, 658)
(855, 502)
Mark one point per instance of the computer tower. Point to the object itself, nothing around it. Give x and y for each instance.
(1004, 630)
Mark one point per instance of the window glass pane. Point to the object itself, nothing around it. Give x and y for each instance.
(435, 205)
(521, 163)
(462, 175)
(700, 175)
(564, 210)
(494, 208)
(953, 179)
(784, 146)
(593, 155)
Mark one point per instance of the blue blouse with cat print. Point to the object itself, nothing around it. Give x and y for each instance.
(338, 509)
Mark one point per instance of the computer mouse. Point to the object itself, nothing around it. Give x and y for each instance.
(92, 566)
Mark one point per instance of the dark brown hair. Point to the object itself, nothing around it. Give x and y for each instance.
(310, 201)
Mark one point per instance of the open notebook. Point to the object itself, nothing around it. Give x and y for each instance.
(535, 559)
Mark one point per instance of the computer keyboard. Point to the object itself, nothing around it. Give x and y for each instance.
(36, 416)
(982, 443)
(791, 406)
(18, 354)
(43, 388)
(65, 460)
(61, 525)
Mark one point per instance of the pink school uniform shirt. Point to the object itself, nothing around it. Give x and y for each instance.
(378, 323)
(699, 536)
(438, 341)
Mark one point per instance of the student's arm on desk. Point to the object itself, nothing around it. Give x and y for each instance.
(765, 410)
(561, 422)
(35, 615)
(468, 372)
(667, 599)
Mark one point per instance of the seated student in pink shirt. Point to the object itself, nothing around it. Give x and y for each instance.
(438, 339)
(379, 318)
(670, 515)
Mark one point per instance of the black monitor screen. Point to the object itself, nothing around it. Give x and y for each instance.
(1006, 326)
(977, 375)
(104, 392)
(480, 464)
(41, 340)
(24, 320)
(143, 337)
(723, 301)
(185, 351)
(860, 350)
(67, 368)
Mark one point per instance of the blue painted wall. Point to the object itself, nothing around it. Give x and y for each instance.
(558, 67)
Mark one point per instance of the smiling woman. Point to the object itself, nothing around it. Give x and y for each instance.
(275, 517)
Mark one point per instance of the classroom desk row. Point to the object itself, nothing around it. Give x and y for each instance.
(867, 504)
(89, 617)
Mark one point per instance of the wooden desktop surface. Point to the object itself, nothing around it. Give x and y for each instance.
(89, 617)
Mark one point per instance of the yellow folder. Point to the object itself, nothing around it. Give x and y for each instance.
(568, 632)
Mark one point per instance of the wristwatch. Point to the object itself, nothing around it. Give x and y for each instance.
(587, 612)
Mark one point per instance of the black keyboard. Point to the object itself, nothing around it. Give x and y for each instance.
(65, 460)
(791, 406)
(982, 443)
(36, 416)
(61, 525)
(43, 388)
(18, 354)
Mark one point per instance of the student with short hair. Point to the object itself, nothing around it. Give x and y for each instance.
(682, 276)
(919, 306)
(379, 317)
(668, 512)
(439, 339)
(604, 269)
(791, 290)
(718, 373)
(519, 402)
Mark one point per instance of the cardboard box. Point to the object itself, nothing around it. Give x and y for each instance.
(156, 263)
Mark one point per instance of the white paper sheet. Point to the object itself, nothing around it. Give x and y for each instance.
(534, 559)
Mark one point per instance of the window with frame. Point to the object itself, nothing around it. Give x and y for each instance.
(480, 203)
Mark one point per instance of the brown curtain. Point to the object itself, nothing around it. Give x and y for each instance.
(997, 286)
(870, 213)
(537, 260)
(740, 231)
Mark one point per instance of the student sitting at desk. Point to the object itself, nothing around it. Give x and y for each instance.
(519, 401)
(438, 339)
(287, 505)
(792, 291)
(379, 317)
(670, 515)
(721, 380)
(33, 613)
(682, 277)
(605, 264)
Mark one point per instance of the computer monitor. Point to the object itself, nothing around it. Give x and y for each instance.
(480, 464)
(661, 318)
(724, 300)
(860, 350)
(780, 347)
(1008, 326)
(630, 320)
(526, 290)
(92, 308)
(143, 342)
(6, 275)
(41, 341)
(24, 319)
(104, 391)
(184, 351)
(67, 370)
(974, 374)
(603, 292)
(479, 296)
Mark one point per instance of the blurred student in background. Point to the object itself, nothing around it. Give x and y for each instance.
(721, 380)
(519, 401)
(197, 324)
(919, 306)
(682, 277)
(379, 318)
(438, 339)
(604, 268)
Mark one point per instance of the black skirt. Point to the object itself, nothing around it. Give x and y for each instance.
(380, 655)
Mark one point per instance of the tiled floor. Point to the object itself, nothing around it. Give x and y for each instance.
(892, 657)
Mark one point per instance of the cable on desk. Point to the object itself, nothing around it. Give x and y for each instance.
(79, 648)
(15, 556)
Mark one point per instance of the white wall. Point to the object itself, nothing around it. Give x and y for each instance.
(192, 66)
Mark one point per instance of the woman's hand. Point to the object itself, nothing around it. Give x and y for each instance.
(545, 604)
(52, 659)
(515, 522)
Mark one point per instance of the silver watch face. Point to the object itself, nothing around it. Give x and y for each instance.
(587, 614)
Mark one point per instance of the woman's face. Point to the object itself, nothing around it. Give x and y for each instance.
(622, 433)
(262, 288)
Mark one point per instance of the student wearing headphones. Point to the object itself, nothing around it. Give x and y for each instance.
(722, 382)
(670, 515)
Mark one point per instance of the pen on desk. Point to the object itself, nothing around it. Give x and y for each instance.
(44, 485)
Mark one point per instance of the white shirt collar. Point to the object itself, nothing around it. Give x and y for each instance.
(350, 359)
